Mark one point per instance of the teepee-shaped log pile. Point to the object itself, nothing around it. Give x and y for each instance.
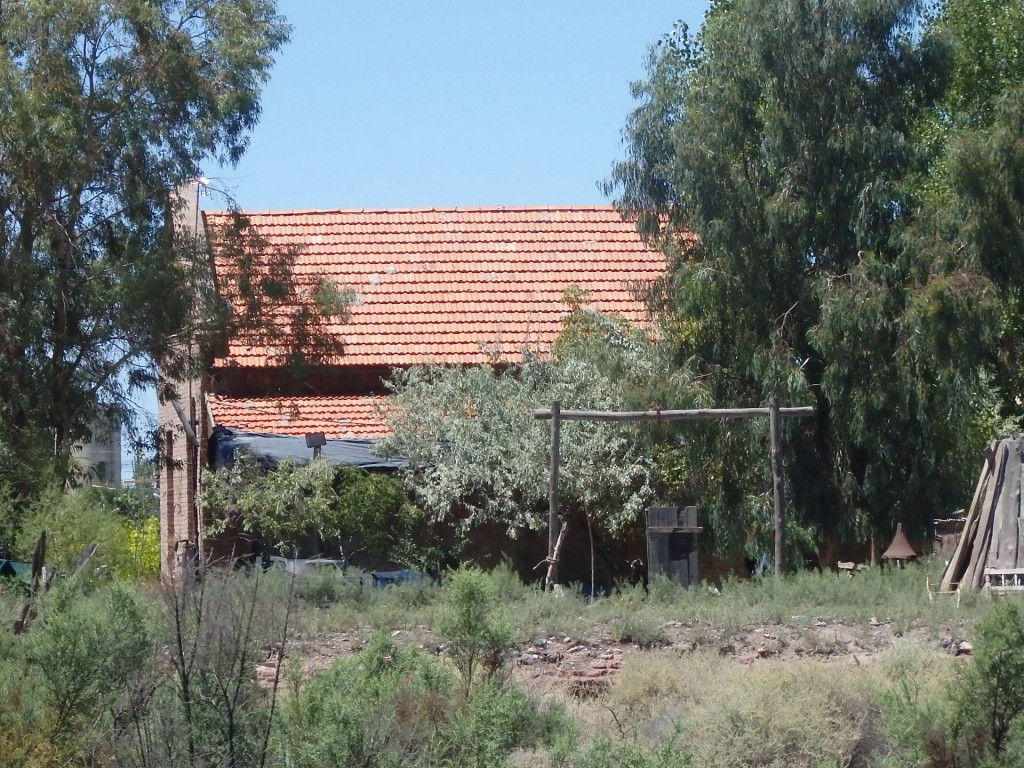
(993, 535)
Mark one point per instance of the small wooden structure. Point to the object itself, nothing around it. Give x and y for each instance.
(990, 551)
(900, 550)
(672, 543)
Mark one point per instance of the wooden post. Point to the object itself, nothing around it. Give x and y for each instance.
(778, 486)
(553, 553)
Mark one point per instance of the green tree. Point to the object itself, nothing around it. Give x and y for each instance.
(773, 157)
(105, 109)
(988, 56)
(478, 456)
(975, 196)
(346, 506)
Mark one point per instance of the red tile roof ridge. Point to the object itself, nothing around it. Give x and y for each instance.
(434, 209)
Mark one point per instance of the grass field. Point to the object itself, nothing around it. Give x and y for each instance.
(815, 669)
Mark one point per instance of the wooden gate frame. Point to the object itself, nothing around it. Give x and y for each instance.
(773, 412)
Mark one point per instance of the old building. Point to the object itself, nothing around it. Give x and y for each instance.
(461, 286)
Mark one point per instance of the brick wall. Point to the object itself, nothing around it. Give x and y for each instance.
(181, 462)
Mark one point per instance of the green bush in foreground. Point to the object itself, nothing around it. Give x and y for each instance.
(479, 637)
(393, 706)
(988, 698)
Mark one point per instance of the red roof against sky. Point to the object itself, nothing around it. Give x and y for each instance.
(458, 285)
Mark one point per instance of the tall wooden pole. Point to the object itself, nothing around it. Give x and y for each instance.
(556, 424)
(778, 485)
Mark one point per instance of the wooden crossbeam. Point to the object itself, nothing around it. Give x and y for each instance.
(658, 415)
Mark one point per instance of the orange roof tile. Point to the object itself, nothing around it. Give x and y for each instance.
(457, 285)
(336, 417)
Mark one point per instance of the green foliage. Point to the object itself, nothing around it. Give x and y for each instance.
(989, 694)
(105, 109)
(394, 706)
(127, 546)
(641, 628)
(379, 709)
(988, 58)
(774, 157)
(62, 682)
(479, 637)
(86, 648)
(606, 753)
(201, 704)
(345, 505)
(477, 454)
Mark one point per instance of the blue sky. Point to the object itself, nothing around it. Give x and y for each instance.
(410, 104)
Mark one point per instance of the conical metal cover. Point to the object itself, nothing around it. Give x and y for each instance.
(900, 548)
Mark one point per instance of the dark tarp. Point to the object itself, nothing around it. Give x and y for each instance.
(15, 569)
(273, 449)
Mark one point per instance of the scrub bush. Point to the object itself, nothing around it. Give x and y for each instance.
(479, 637)
(392, 706)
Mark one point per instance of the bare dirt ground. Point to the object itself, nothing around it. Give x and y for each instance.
(585, 665)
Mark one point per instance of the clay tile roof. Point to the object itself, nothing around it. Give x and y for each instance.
(454, 285)
(337, 417)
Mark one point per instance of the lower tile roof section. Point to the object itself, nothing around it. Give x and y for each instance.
(343, 416)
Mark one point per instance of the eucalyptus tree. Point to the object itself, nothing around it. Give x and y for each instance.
(106, 107)
(773, 156)
(975, 195)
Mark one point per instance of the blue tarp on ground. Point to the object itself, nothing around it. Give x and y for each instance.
(273, 449)
(15, 569)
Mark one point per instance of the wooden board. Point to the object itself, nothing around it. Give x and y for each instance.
(973, 576)
(1020, 523)
(1004, 534)
(957, 564)
(672, 543)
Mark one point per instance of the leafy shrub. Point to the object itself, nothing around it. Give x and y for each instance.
(605, 753)
(393, 706)
(207, 709)
(917, 711)
(61, 682)
(642, 628)
(479, 638)
(126, 547)
(802, 715)
(989, 692)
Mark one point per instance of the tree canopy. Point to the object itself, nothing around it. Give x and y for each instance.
(777, 157)
(478, 456)
(105, 109)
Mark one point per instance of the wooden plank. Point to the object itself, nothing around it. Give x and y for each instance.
(778, 485)
(553, 497)
(675, 529)
(662, 517)
(954, 571)
(694, 575)
(1004, 535)
(959, 562)
(657, 553)
(688, 415)
(973, 576)
(1020, 523)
